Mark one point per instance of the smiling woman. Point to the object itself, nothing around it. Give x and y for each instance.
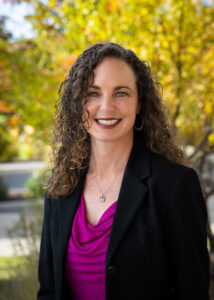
(125, 216)
(112, 103)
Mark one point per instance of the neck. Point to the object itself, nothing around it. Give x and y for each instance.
(109, 158)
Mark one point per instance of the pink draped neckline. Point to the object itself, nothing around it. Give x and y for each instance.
(86, 253)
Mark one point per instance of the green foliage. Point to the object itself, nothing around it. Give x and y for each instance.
(8, 266)
(35, 185)
(18, 278)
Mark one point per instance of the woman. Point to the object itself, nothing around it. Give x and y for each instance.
(125, 217)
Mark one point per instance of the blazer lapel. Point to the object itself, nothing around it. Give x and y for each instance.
(67, 209)
(132, 193)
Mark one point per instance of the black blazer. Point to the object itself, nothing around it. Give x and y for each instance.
(158, 243)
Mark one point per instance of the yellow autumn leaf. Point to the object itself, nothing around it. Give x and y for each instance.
(14, 121)
(165, 44)
(211, 139)
(208, 107)
(52, 3)
(70, 61)
(4, 108)
(111, 6)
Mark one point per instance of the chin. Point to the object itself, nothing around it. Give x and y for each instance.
(105, 139)
(110, 138)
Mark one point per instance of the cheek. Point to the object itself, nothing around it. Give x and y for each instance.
(132, 110)
(91, 109)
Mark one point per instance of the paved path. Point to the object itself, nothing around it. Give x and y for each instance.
(15, 174)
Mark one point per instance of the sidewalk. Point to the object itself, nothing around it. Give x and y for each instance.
(9, 214)
(7, 247)
(15, 174)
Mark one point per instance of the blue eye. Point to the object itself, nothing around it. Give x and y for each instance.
(122, 94)
(93, 94)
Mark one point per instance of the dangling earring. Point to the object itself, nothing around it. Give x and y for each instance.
(138, 116)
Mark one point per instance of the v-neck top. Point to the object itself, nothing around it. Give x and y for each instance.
(86, 254)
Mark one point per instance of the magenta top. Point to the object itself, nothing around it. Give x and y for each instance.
(85, 261)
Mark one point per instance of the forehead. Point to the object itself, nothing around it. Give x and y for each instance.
(114, 70)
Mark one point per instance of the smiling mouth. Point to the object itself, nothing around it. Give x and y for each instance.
(108, 121)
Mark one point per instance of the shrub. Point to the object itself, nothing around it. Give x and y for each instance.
(35, 185)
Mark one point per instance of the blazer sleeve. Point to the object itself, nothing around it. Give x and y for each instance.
(186, 239)
(45, 268)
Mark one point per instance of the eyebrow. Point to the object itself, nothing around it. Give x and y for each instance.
(116, 88)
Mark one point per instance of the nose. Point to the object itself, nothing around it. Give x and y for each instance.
(107, 103)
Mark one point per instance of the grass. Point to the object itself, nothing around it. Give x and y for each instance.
(8, 266)
(18, 278)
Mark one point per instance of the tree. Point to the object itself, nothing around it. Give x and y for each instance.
(174, 36)
(7, 118)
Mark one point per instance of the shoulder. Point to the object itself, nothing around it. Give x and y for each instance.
(176, 186)
(50, 204)
(148, 164)
(169, 173)
(162, 164)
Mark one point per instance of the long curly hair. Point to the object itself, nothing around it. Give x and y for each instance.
(70, 140)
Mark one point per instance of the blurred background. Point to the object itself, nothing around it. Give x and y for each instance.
(39, 41)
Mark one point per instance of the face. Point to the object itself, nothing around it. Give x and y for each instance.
(112, 102)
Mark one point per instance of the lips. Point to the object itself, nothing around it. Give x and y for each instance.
(108, 122)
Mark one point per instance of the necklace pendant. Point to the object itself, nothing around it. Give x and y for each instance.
(101, 198)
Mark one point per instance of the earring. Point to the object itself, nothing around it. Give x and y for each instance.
(138, 116)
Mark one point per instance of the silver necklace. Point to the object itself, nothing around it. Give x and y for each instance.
(102, 196)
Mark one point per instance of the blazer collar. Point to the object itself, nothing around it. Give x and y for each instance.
(131, 195)
(140, 157)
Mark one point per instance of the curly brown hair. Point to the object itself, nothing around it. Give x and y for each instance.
(70, 140)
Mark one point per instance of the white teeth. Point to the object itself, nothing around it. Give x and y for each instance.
(108, 122)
